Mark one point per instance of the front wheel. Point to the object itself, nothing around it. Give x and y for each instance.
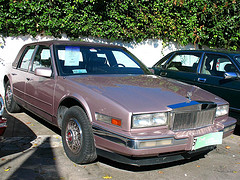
(77, 136)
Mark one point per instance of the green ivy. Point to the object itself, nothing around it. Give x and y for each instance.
(213, 23)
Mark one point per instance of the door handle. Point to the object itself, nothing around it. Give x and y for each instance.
(14, 74)
(203, 80)
(163, 73)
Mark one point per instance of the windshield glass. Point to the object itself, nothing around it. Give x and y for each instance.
(75, 60)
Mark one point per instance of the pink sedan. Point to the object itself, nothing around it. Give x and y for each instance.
(106, 102)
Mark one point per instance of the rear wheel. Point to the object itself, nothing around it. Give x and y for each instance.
(77, 136)
(10, 103)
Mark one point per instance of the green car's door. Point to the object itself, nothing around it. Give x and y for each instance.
(211, 78)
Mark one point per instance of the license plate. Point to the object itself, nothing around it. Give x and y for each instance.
(207, 140)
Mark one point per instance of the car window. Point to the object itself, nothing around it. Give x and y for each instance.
(42, 58)
(184, 62)
(163, 60)
(237, 58)
(217, 65)
(73, 60)
(26, 58)
(123, 60)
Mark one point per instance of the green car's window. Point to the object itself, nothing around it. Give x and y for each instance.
(237, 59)
(163, 60)
(217, 65)
(184, 62)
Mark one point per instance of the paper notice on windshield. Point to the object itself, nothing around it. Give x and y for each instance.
(72, 56)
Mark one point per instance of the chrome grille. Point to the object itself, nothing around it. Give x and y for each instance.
(192, 119)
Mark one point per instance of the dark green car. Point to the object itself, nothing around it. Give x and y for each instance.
(216, 72)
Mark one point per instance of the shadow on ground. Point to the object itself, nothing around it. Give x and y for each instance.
(41, 164)
(18, 145)
(44, 123)
(16, 128)
(17, 137)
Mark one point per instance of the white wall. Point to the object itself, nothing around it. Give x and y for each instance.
(149, 51)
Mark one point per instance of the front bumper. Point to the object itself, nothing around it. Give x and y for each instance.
(129, 150)
(161, 159)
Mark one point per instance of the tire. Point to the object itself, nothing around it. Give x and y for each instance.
(77, 136)
(10, 103)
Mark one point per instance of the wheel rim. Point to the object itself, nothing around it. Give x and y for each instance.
(74, 136)
(8, 96)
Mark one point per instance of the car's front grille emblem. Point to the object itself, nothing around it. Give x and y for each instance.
(189, 96)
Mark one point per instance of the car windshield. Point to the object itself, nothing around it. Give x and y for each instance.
(76, 60)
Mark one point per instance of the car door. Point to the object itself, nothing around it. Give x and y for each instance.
(20, 73)
(211, 78)
(39, 90)
(181, 66)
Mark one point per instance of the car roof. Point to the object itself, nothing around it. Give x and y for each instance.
(230, 53)
(75, 43)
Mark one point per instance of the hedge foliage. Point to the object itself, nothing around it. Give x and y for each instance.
(215, 23)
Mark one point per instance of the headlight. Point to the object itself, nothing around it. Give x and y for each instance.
(222, 110)
(149, 120)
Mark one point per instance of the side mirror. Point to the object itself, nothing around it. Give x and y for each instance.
(43, 72)
(231, 75)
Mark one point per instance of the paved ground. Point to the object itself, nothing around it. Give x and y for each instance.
(32, 149)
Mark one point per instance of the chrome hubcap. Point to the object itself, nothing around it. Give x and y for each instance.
(74, 136)
(8, 96)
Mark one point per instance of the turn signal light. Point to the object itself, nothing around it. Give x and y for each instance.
(108, 119)
(116, 122)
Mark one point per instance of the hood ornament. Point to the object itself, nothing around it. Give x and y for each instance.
(189, 96)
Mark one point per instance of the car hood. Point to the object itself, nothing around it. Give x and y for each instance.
(144, 93)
